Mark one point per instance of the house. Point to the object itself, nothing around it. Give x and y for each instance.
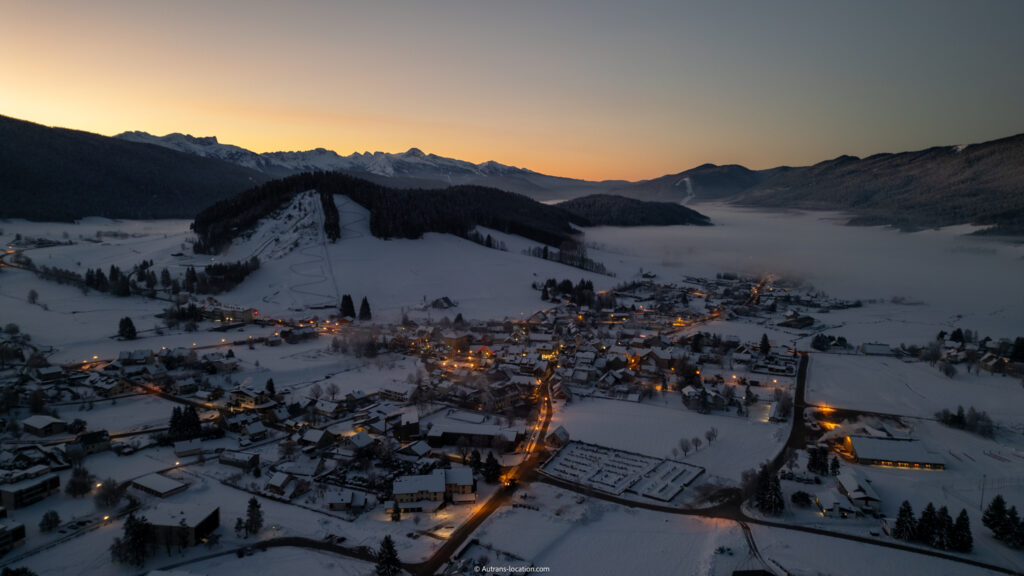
(860, 493)
(830, 504)
(182, 524)
(192, 447)
(349, 501)
(427, 492)
(93, 442)
(279, 483)
(42, 425)
(313, 437)
(158, 485)
(107, 387)
(255, 430)
(560, 437)
(49, 373)
(244, 460)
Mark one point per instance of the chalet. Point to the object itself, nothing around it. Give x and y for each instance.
(832, 505)
(158, 485)
(560, 437)
(230, 314)
(427, 492)
(313, 437)
(892, 452)
(49, 373)
(255, 430)
(109, 387)
(860, 493)
(348, 501)
(42, 425)
(93, 442)
(182, 524)
(185, 448)
(279, 483)
(244, 460)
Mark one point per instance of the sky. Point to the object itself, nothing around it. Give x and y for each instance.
(582, 88)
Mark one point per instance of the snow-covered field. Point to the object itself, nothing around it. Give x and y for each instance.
(655, 430)
(595, 537)
(803, 553)
(889, 385)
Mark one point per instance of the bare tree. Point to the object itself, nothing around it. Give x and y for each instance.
(685, 444)
(332, 390)
(711, 435)
(696, 443)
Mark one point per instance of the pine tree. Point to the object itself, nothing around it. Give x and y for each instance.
(270, 387)
(387, 559)
(1012, 532)
(253, 517)
(492, 470)
(766, 346)
(994, 517)
(906, 525)
(962, 540)
(348, 308)
(174, 427)
(239, 527)
(364, 310)
(927, 525)
(134, 546)
(943, 539)
(396, 512)
(474, 460)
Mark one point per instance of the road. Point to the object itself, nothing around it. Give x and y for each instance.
(525, 472)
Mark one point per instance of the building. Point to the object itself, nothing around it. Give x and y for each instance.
(93, 442)
(193, 447)
(428, 492)
(184, 525)
(11, 534)
(158, 485)
(42, 425)
(244, 460)
(860, 493)
(36, 484)
(892, 452)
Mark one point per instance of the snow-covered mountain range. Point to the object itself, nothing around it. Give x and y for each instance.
(412, 168)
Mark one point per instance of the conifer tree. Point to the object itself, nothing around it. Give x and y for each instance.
(906, 525)
(348, 308)
(492, 470)
(387, 559)
(927, 525)
(962, 540)
(364, 310)
(253, 517)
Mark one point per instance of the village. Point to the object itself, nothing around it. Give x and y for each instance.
(449, 416)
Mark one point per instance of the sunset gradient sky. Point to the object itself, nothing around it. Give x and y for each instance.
(581, 88)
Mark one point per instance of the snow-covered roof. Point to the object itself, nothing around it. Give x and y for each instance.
(433, 482)
(868, 448)
(40, 421)
(159, 484)
(459, 476)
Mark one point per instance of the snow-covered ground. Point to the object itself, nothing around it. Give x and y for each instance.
(655, 430)
(570, 535)
(803, 553)
(890, 385)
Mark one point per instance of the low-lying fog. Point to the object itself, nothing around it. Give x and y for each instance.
(979, 278)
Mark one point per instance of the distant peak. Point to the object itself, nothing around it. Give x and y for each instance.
(414, 152)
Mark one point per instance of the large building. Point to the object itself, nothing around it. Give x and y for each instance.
(11, 534)
(28, 487)
(158, 485)
(429, 491)
(183, 525)
(892, 452)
